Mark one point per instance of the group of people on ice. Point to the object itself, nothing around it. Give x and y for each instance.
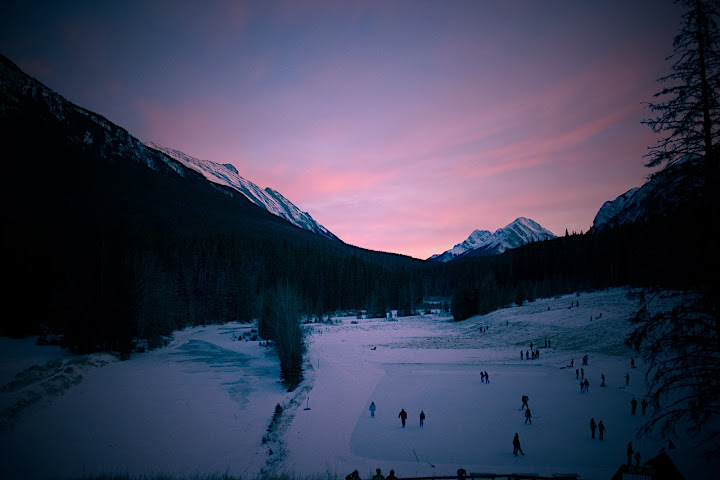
(402, 415)
(378, 475)
(600, 428)
(533, 353)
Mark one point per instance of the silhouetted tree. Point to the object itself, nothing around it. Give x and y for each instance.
(682, 343)
(681, 346)
(690, 112)
(281, 320)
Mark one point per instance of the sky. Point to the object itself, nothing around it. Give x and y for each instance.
(401, 126)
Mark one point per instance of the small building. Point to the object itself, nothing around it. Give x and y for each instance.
(660, 467)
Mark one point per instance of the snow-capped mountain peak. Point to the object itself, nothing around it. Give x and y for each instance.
(482, 242)
(269, 199)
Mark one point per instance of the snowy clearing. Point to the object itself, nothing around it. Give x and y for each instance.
(203, 404)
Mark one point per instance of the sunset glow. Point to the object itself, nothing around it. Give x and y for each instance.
(400, 126)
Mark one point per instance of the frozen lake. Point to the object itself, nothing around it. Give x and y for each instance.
(203, 404)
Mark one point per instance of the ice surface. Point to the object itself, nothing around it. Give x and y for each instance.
(202, 404)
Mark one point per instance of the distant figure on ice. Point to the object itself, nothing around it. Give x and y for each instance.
(632, 363)
(528, 417)
(602, 375)
(516, 446)
(585, 360)
(403, 416)
(521, 355)
(378, 475)
(633, 404)
(531, 345)
(353, 476)
(482, 377)
(549, 342)
(422, 418)
(577, 373)
(487, 377)
(582, 373)
(372, 409)
(582, 386)
(391, 476)
(527, 354)
(592, 427)
(630, 451)
(546, 339)
(601, 429)
(644, 405)
(587, 385)
(572, 363)
(627, 379)
(525, 400)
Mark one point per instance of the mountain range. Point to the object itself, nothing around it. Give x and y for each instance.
(92, 132)
(675, 185)
(268, 199)
(484, 243)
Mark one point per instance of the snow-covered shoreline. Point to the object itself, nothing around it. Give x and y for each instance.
(203, 403)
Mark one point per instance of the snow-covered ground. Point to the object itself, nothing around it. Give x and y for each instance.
(203, 404)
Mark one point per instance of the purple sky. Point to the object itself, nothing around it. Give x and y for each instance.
(399, 126)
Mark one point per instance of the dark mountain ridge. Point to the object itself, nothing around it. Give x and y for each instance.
(109, 240)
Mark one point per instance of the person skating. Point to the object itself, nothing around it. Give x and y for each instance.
(633, 404)
(592, 427)
(516, 446)
(422, 418)
(403, 416)
(587, 385)
(601, 429)
(378, 475)
(372, 409)
(487, 377)
(528, 417)
(524, 402)
(644, 405)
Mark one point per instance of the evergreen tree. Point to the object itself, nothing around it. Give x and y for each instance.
(690, 112)
(682, 345)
